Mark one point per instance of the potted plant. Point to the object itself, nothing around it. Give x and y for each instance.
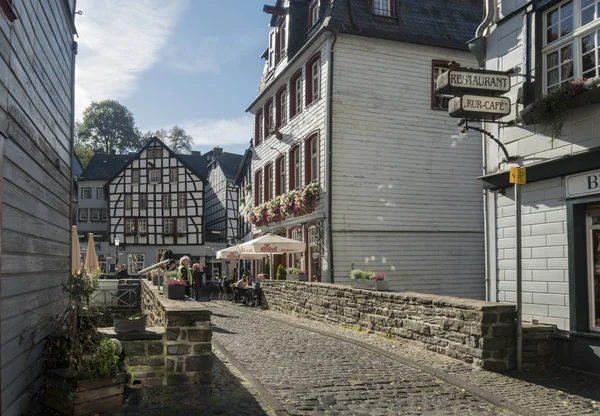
(281, 272)
(292, 274)
(83, 372)
(174, 287)
(302, 276)
(157, 275)
(134, 323)
(361, 279)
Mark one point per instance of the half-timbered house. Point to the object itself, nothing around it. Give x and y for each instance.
(37, 68)
(156, 202)
(354, 153)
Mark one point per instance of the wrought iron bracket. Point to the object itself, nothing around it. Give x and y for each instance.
(464, 125)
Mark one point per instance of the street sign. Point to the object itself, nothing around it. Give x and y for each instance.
(463, 81)
(479, 106)
(518, 176)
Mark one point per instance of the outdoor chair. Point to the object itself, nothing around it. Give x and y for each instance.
(222, 292)
(229, 293)
(256, 298)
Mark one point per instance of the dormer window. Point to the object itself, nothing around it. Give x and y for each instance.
(313, 13)
(282, 36)
(384, 7)
(272, 49)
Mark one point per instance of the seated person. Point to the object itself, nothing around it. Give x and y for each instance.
(242, 283)
(122, 274)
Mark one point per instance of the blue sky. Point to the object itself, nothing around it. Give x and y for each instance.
(194, 63)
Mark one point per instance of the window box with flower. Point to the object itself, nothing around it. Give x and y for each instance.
(174, 287)
(296, 275)
(293, 203)
(367, 280)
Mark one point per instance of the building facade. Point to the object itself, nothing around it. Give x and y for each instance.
(548, 45)
(354, 153)
(37, 63)
(243, 182)
(160, 200)
(92, 206)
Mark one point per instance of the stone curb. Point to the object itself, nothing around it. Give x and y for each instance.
(271, 401)
(471, 388)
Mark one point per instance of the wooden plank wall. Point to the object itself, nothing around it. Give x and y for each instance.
(36, 119)
(406, 199)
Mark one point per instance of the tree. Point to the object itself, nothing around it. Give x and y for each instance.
(179, 141)
(109, 125)
(84, 154)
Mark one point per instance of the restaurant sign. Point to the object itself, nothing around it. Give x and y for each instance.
(462, 81)
(583, 184)
(480, 107)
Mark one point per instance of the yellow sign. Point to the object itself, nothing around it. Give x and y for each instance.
(518, 176)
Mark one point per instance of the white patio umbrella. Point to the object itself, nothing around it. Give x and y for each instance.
(272, 244)
(75, 252)
(91, 259)
(233, 253)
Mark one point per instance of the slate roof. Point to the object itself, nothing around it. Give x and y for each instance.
(103, 166)
(246, 159)
(230, 163)
(432, 22)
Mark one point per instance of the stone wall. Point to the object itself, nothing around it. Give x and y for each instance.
(477, 332)
(538, 345)
(152, 306)
(144, 353)
(176, 347)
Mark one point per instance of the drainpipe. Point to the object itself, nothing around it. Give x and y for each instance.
(478, 44)
(527, 45)
(330, 157)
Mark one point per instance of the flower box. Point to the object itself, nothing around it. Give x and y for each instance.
(368, 284)
(297, 277)
(176, 292)
(70, 396)
(122, 324)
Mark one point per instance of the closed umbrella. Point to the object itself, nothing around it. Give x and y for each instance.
(91, 259)
(75, 252)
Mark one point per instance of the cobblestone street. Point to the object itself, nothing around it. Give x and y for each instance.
(311, 373)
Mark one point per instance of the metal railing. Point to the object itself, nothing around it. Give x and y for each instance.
(113, 295)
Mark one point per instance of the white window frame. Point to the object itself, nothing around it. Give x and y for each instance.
(142, 226)
(382, 7)
(282, 175)
(104, 215)
(314, 159)
(283, 107)
(298, 92)
(296, 167)
(574, 39)
(130, 226)
(313, 10)
(154, 176)
(168, 226)
(261, 126)
(174, 175)
(182, 225)
(143, 197)
(182, 200)
(283, 37)
(86, 193)
(135, 262)
(272, 49)
(135, 176)
(315, 70)
(166, 201)
(84, 217)
(270, 110)
(100, 193)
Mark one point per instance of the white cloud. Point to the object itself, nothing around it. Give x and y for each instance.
(210, 53)
(215, 132)
(118, 41)
(221, 132)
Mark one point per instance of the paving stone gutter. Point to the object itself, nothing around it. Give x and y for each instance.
(476, 332)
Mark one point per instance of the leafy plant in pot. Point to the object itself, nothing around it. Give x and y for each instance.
(174, 287)
(84, 374)
(361, 279)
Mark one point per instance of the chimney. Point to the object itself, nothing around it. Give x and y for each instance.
(196, 153)
(217, 151)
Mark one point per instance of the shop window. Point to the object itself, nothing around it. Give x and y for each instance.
(593, 222)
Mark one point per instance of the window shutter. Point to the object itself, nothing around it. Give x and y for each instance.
(278, 176)
(256, 189)
(272, 48)
(291, 169)
(307, 161)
